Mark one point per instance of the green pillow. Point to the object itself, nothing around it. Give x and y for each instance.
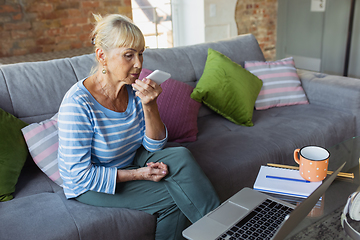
(228, 89)
(13, 153)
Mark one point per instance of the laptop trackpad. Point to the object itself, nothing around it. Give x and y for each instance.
(228, 213)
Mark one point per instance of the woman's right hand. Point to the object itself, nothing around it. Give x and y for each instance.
(153, 172)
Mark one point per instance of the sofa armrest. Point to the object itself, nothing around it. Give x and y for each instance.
(336, 92)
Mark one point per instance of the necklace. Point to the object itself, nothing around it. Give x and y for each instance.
(105, 93)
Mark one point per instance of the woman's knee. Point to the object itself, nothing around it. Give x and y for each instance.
(181, 152)
(181, 159)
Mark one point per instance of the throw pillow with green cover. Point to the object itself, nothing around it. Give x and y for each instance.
(13, 153)
(228, 89)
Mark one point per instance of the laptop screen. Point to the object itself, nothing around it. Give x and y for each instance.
(301, 211)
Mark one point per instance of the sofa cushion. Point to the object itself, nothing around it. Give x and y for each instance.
(228, 89)
(42, 140)
(111, 223)
(40, 216)
(224, 149)
(281, 83)
(177, 109)
(13, 153)
(33, 181)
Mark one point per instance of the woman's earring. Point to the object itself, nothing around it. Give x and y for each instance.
(104, 71)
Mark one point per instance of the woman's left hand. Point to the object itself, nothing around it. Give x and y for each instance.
(147, 90)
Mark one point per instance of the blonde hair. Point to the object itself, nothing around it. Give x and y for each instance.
(115, 30)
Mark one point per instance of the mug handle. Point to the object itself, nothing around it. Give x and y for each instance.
(296, 156)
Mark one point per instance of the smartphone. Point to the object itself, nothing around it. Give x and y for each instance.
(159, 76)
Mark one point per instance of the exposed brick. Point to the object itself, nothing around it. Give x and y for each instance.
(76, 45)
(45, 41)
(19, 52)
(127, 3)
(62, 47)
(90, 4)
(67, 38)
(85, 37)
(36, 49)
(9, 8)
(21, 34)
(87, 44)
(5, 19)
(51, 25)
(5, 35)
(113, 3)
(66, 22)
(17, 26)
(58, 14)
(6, 45)
(73, 21)
(259, 18)
(47, 24)
(55, 32)
(74, 12)
(48, 48)
(87, 28)
(125, 11)
(26, 43)
(68, 5)
(17, 17)
(40, 7)
(74, 30)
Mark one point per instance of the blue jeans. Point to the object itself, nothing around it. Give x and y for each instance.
(185, 193)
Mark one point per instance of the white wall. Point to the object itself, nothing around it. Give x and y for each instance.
(188, 22)
(220, 19)
(198, 21)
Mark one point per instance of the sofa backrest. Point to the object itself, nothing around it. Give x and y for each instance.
(187, 63)
(33, 91)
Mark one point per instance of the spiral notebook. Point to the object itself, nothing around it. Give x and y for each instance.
(284, 182)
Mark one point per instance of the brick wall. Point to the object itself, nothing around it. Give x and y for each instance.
(259, 18)
(34, 26)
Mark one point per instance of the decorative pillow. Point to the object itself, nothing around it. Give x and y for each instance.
(42, 140)
(177, 110)
(228, 89)
(281, 83)
(13, 153)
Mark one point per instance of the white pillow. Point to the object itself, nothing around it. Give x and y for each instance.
(42, 141)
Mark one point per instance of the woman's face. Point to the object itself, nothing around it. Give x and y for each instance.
(125, 64)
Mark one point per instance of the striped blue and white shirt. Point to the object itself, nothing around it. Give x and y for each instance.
(95, 141)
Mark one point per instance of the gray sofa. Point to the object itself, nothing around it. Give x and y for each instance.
(229, 154)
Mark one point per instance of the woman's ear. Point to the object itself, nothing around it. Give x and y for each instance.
(101, 56)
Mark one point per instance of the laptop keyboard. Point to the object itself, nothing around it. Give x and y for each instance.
(260, 224)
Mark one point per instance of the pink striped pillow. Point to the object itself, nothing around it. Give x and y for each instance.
(281, 83)
(42, 141)
(177, 109)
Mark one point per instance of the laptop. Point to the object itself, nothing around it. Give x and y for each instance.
(250, 214)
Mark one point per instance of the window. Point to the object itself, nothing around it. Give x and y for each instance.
(154, 18)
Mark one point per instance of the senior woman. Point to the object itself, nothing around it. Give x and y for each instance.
(111, 139)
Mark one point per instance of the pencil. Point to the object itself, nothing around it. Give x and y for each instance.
(341, 174)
